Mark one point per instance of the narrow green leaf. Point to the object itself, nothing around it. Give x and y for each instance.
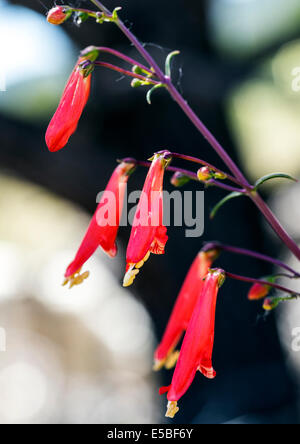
(168, 62)
(149, 93)
(264, 179)
(224, 201)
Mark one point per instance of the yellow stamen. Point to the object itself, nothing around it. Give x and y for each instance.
(130, 276)
(76, 278)
(172, 359)
(134, 271)
(172, 409)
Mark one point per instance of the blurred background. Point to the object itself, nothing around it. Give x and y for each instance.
(85, 356)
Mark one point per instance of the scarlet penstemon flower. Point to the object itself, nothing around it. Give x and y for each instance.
(183, 309)
(197, 346)
(77, 91)
(103, 229)
(148, 234)
(58, 15)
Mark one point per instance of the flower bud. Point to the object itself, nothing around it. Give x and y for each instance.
(179, 180)
(136, 83)
(258, 291)
(204, 174)
(270, 304)
(58, 15)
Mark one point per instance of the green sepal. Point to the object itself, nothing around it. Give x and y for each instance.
(264, 179)
(149, 93)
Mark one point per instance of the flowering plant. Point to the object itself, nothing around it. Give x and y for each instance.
(194, 311)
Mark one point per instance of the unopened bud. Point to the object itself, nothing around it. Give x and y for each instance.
(58, 15)
(90, 53)
(136, 83)
(258, 291)
(204, 174)
(270, 304)
(220, 176)
(179, 179)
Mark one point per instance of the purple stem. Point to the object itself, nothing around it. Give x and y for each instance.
(279, 230)
(209, 165)
(125, 72)
(122, 56)
(259, 281)
(190, 174)
(254, 254)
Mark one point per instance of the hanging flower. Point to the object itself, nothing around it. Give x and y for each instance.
(75, 96)
(103, 229)
(148, 234)
(58, 15)
(197, 346)
(183, 309)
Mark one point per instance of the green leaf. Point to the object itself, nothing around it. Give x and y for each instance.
(168, 62)
(224, 201)
(149, 93)
(264, 179)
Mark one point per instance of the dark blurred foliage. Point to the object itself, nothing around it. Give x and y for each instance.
(252, 376)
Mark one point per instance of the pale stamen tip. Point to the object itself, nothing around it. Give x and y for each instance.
(172, 409)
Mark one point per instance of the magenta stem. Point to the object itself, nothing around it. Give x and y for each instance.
(209, 165)
(126, 72)
(250, 253)
(183, 104)
(260, 281)
(122, 56)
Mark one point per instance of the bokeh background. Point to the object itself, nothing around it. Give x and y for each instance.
(85, 356)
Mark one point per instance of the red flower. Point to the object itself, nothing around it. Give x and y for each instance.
(58, 15)
(183, 310)
(148, 234)
(103, 229)
(197, 346)
(258, 291)
(66, 118)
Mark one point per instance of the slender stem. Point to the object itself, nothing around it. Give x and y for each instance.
(122, 56)
(178, 98)
(183, 104)
(190, 174)
(209, 165)
(260, 281)
(126, 73)
(250, 253)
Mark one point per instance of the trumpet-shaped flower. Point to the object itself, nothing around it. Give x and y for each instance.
(197, 346)
(148, 234)
(65, 120)
(103, 229)
(183, 310)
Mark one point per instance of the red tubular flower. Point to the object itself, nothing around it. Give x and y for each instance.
(66, 118)
(258, 291)
(183, 310)
(103, 229)
(58, 15)
(197, 346)
(148, 234)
